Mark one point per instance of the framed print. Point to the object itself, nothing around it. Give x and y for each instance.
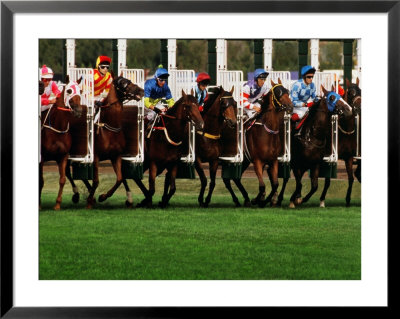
(26, 292)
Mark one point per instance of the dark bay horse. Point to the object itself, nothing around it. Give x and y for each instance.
(347, 140)
(309, 149)
(164, 148)
(55, 134)
(264, 144)
(109, 140)
(218, 109)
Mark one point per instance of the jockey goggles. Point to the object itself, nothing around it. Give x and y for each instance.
(102, 66)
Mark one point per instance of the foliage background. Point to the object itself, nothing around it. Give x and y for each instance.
(191, 54)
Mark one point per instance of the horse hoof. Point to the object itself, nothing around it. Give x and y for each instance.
(292, 205)
(102, 198)
(162, 204)
(262, 203)
(75, 198)
(57, 207)
(237, 204)
(247, 203)
(128, 204)
(322, 204)
(254, 201)
(298, 201)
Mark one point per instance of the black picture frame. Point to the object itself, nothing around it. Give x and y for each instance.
(9, 8)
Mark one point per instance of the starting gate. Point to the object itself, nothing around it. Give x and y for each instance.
(87, 91)
(184, 80)
(284, 76)
(229, 79)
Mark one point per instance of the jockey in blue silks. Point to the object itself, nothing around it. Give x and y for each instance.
(155, 90)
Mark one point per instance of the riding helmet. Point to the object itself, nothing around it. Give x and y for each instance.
(161, 73)
(308, 69)
(46, 72)
(102, 59)
(260, 73)
(203, 78)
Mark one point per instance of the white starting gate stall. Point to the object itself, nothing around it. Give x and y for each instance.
(329, 165)
(133, 128)
(284, 159)
(232, 158)
(82, 130)
(177, 81)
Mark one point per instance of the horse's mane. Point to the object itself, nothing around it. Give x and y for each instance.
(213, 93)
(172, 109)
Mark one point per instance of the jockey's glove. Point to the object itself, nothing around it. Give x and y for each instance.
(159, 108)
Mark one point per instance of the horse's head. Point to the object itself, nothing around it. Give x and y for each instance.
(191, 110)
(353, 95)
(280, 98)
(227, 104)
(126, 90)
(72, 96)
(336, 104)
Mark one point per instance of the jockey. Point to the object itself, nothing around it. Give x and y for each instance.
(102, 81)
(303, 93)
(102, 78)
(254, 90)
(51, 91)
(201, 94)
(155, 90)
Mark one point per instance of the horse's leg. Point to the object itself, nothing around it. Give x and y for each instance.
(258, 168)
(92, 190)
(164, 199)
(75, 197)
(280, 197)
(349, 169)
(325, 190)
(239, 185)
(116, 163)
(213, 173)
(273, 177)
(129, 200)
(357, 173)
(228, 186)
(41, 183)
(148, 200)
(296, 196)
(62, 164)
(314, 182)
(172, 186)
(203, 180)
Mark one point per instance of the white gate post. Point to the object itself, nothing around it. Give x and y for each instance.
(268, 54)
(358, 68)
(314, 48)
(122, 44)
(221, 54)
(70, 45)
(171, 46)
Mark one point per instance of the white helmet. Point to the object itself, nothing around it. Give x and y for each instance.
(46, 72)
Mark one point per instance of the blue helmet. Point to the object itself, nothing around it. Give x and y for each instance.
(161, 73)
(260, 73)
(306, 70)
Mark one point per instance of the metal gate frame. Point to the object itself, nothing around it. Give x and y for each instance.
(87, 98)
(184, 80)
(137, 76)
(227, 79)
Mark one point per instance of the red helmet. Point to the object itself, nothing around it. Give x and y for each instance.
(102, 59)
(203, 77)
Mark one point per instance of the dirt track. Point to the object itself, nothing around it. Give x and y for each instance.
(105, 167)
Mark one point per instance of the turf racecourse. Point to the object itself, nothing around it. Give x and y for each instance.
(185, 242)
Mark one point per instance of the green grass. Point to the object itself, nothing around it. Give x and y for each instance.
(187, 242)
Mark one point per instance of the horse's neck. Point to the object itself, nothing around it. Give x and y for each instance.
(271, 118)
(319, 121)
(175, 124)
(212, 119)
(112, 114)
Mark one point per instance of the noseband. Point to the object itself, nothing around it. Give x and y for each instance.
(275, 100)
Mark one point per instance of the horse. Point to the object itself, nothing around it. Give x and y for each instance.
(347, 140)
(309, 149)
(164, 148)
(218, 109)
(264, 144)
(55, 133)
(109, 140)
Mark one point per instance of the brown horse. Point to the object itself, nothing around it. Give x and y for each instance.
(164, 148)
(347, 140)
(218, 110)
(109, 140)
(309, 149)
(55, 134)
(264, 143)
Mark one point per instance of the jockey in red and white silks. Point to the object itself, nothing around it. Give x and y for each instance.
(51, 90)
(254, 90)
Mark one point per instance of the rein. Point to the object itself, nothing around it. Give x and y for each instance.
(345, 132)
(52, 128)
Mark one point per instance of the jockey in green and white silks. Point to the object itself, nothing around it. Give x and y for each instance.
(303, 93)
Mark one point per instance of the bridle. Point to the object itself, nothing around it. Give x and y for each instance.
(275, 99)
